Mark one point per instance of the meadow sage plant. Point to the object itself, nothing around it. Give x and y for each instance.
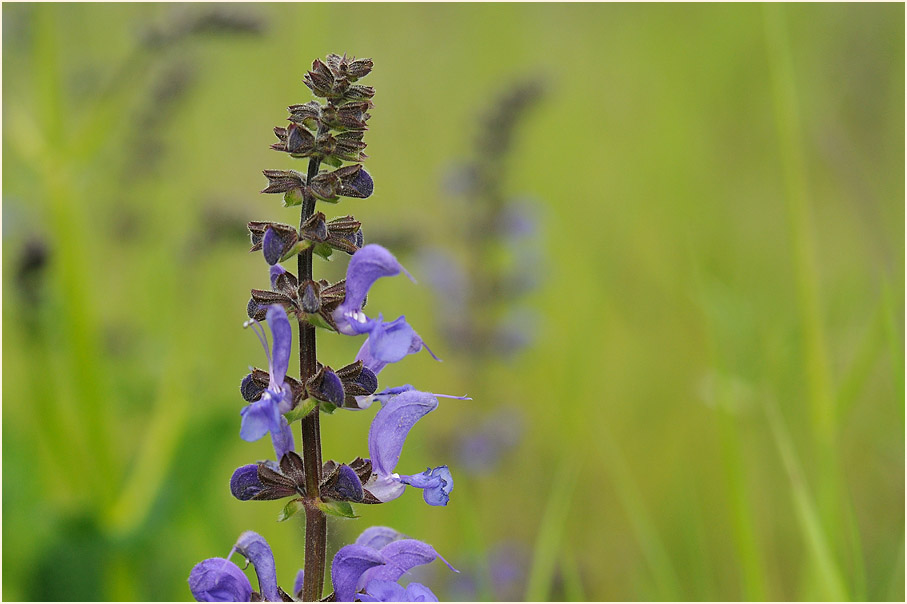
(368, 570)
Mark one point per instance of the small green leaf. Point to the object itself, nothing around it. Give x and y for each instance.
(300, 246)
(333, 161)
(301, 410)
(293, 197)
(290, 509)
(327, 407)
(318, 321)
(337, 508)
(323, 250)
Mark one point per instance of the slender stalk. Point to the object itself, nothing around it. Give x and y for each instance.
(315, 524)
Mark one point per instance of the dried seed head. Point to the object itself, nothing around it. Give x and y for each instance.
(315, 228)
(333, 78)
(255, 310)
(262, 298)
(348, 181)
(299, 140)
(362, 467)
(352, 116)
(348, 68)
(281, 181)
(308, 114)
(320, 80)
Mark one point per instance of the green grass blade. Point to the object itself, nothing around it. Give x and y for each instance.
(552, 527)
(816, 540)
(573, 579)
(476, 542)
(653, 549)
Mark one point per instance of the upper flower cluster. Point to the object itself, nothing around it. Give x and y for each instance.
(346, 113)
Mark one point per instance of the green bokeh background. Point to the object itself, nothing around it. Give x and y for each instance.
(713, 406)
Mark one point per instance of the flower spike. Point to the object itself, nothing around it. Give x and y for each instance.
(330, 135)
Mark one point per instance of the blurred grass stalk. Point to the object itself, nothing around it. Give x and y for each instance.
(822, 535)
(549, 543)
(667, 582)
(75, 331)
(80, 421)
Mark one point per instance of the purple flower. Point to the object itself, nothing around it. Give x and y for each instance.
(265, 414)
(388, 342)
(481, 445)
(447, 277)
(436, 484)
(219, 580)
(369, 569)
(388, 591)
(385, 443)
(521, 219)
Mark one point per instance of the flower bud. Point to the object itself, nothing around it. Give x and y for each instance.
(349, 146)
(326, 187)
(278, 241)
(348, 485)
(250, 389)
(219, 580)
(358, 93)
(272, 246)
(310, 296)
(299, 140)
(295, 140)
(257, 231)
(244, 484)
(326, 386)
(355, 182)
(357, 380)
(349, 181)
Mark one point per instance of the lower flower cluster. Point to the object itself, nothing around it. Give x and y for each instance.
(276, 399)
(368, 570)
